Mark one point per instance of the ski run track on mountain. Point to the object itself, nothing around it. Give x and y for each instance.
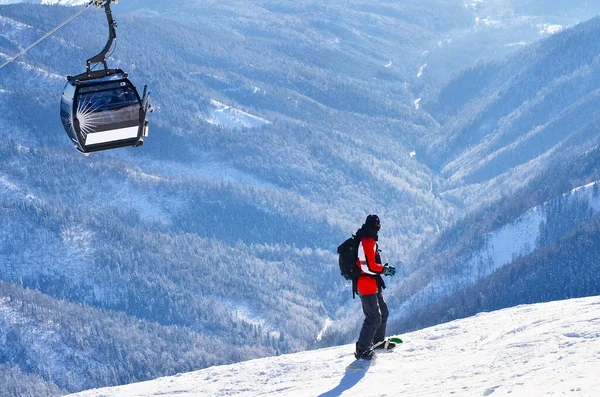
(549, 349)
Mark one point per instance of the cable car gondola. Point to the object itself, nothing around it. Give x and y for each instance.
(102, 109)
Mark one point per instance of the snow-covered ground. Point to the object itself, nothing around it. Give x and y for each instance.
(229, 117)
(417, 103)
(421, 71)
(550, 349)
(550, 29)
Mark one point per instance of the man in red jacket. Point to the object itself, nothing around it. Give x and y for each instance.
(370, 285)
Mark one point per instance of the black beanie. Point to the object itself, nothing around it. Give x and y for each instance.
(373, 222)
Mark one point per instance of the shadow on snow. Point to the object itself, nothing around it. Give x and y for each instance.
(350, 379)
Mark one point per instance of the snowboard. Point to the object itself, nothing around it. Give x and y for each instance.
(364, 364)
(397, 341)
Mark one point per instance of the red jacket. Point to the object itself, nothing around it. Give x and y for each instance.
(370, 266)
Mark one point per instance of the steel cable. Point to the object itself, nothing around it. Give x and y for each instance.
(50, 33)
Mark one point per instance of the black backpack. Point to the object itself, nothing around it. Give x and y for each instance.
(348, 251)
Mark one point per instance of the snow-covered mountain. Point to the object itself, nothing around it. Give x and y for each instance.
(214, 228)
(526, 351)
(279, 126)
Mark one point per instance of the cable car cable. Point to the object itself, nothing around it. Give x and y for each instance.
(50, 33)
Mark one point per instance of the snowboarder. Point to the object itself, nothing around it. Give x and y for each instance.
(370, 285)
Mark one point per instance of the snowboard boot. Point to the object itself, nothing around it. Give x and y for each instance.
(366, 355)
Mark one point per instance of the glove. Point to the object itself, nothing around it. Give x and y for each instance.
(388, 270)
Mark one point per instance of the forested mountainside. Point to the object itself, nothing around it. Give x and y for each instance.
(567, 268)
(533, 245)
(278, 127)
(545, 254)
(48, 342)
(508, 121)
(223, 231)
(555, 152)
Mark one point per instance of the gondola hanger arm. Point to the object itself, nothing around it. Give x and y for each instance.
(112, 27)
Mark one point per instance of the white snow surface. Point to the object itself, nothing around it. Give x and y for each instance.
(549, 349)
(421, 71)
(417, 103)
(550, 29)
(229, 117)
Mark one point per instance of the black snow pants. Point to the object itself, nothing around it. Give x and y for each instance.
(376, 314)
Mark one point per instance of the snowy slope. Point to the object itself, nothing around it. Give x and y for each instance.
(545, 349)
